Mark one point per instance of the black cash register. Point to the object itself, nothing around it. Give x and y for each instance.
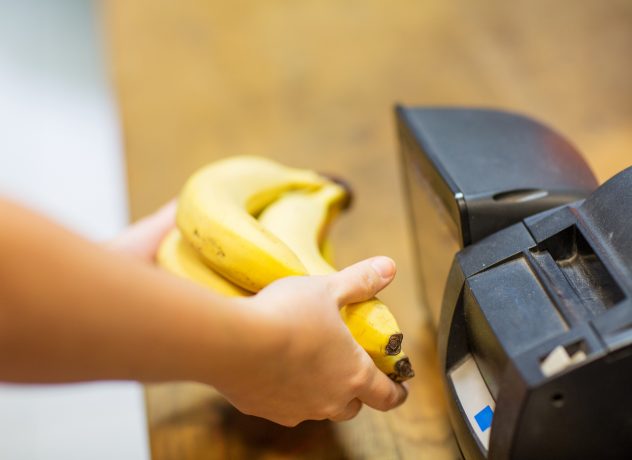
(525, 265)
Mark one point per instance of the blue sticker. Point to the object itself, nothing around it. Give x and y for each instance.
(484, 418)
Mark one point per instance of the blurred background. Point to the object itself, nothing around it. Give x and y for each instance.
(61, 153)
(311, 83)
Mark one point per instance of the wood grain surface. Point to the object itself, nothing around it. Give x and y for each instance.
(312, 83)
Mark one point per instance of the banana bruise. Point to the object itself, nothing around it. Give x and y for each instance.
(179, 258)
(216, 210)
(300, 219)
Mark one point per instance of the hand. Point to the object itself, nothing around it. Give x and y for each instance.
(143, 238)
(317, 370)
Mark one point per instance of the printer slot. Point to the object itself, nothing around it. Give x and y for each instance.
(584, 270)
(521, 195)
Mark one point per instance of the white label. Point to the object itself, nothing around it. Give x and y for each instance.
(475, 398)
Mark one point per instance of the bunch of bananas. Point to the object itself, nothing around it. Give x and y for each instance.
(244, 222)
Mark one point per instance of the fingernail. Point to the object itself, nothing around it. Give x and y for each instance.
(384, 266)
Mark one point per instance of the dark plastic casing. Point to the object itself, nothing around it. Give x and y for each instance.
(556, 278)
(471, 172)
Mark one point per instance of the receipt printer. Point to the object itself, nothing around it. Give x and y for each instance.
(525, 265)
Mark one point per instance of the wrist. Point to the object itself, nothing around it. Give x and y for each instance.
(250, 339)
(224, 339)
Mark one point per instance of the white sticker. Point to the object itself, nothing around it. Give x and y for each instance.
(475, 398)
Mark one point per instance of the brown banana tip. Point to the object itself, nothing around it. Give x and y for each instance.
(346, 204)
(404, 369)
(394, 345)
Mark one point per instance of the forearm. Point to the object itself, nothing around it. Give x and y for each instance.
(71, 311)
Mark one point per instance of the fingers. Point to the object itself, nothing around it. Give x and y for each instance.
(382, 393)
(158, 223)
(352, 409)
(143, 237)
(363, 280)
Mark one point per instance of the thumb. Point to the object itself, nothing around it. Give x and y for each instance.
(363, 280)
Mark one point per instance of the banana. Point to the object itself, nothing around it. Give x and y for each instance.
(300, 220)
(215, 215)
(178, 257)
(397, 367)
(327, 250)
(226, 244)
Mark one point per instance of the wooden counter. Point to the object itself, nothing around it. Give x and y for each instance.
(312, 84)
